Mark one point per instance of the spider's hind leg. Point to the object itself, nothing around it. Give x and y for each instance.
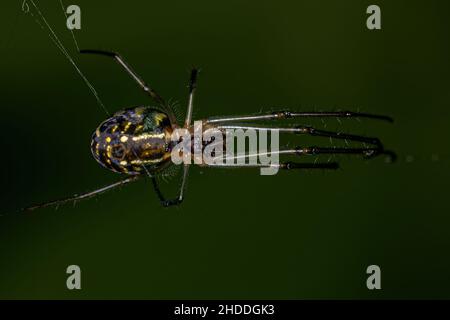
(82, 196)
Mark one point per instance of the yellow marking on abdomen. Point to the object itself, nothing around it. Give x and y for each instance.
(149, 136)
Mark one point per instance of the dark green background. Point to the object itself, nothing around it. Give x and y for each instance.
(238, 234)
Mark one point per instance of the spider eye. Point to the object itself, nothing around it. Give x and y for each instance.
(118, 151)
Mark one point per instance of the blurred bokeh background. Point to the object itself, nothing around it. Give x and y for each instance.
(238, 235)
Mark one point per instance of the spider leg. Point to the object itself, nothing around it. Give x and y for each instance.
(192, 88)
(300, 151)
(368, 152)
(175, 201)
(281, 115)
(309, 131)
(82, 196)
(187, 123)
(283, 165)
(147, 89)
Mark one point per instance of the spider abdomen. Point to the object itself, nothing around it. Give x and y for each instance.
(133, 140)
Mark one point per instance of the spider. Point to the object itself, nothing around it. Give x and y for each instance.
(136, 142)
